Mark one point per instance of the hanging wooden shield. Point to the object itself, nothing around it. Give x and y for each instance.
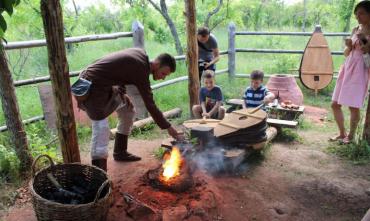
(316, 71)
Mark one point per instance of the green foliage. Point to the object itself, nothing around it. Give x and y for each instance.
(6, 6)
(288, 135)
(357, 152)
(159, 152)
(9, 164)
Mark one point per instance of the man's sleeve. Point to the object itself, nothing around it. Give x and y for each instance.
(147, 95)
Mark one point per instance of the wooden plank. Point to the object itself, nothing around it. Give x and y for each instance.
(248, 115)
(230, 125)
(282, 123)
(234, 102)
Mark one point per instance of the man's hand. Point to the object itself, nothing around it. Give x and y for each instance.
(173, 133)
(125, 98)
(206, 65)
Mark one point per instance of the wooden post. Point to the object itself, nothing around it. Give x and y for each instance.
(58, 67)
(366, 133)
(231, 50)
(132, 91)
(138, 34)
(192, 53)
(12, 116)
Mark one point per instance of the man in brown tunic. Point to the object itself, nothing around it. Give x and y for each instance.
(109, 75)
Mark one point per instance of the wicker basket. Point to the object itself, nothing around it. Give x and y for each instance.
(47, 210)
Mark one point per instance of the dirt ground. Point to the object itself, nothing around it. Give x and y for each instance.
(295, 181)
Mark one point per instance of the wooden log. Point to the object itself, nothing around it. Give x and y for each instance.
(58, 68)
(192, 53)
(13, 118)
(271, 133)
(176, 112)
(231, 50)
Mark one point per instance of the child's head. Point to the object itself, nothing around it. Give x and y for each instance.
(209, 79)
(362, 12)
(256, 78)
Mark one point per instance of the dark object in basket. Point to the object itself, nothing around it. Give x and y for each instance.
(72, 177)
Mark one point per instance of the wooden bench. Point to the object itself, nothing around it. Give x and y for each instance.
(288, 116)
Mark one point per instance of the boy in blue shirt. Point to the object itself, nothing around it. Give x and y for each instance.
(257, 94)
(210, 97)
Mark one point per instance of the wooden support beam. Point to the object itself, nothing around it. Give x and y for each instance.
(231, 50)
(58, 68)
(192, 53)
(13, 118)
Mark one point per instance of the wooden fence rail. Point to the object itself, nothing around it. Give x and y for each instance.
(78, 39)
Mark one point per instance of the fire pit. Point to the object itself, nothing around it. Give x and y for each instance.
(174, 175)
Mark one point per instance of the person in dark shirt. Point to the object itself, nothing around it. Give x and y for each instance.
(208, 51)
(108, 76)
(210, 97)
(257, 94)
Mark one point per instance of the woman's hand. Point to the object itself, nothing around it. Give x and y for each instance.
(348, 43)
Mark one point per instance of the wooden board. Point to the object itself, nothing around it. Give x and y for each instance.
(194, 123)
(237, 120)
(282, 123)
(316, 70)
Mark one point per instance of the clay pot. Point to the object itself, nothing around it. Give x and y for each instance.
(287, 87)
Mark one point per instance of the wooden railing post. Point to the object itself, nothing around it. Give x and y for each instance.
(231, 50)
(192, 53)
(138, 34)
(132, 91)
(52, 18)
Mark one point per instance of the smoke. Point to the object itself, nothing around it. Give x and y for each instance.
(212, 159)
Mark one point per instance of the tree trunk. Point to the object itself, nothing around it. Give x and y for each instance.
(12, 115)
(192, 52)
(59, 74)
(164, 12)
(213, 12)
(347, 17)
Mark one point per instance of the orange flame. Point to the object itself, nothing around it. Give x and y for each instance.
(172, 164)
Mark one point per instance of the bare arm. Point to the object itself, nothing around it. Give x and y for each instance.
(215, 108)
(203, 105)
(216, 56)
(269, 97)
